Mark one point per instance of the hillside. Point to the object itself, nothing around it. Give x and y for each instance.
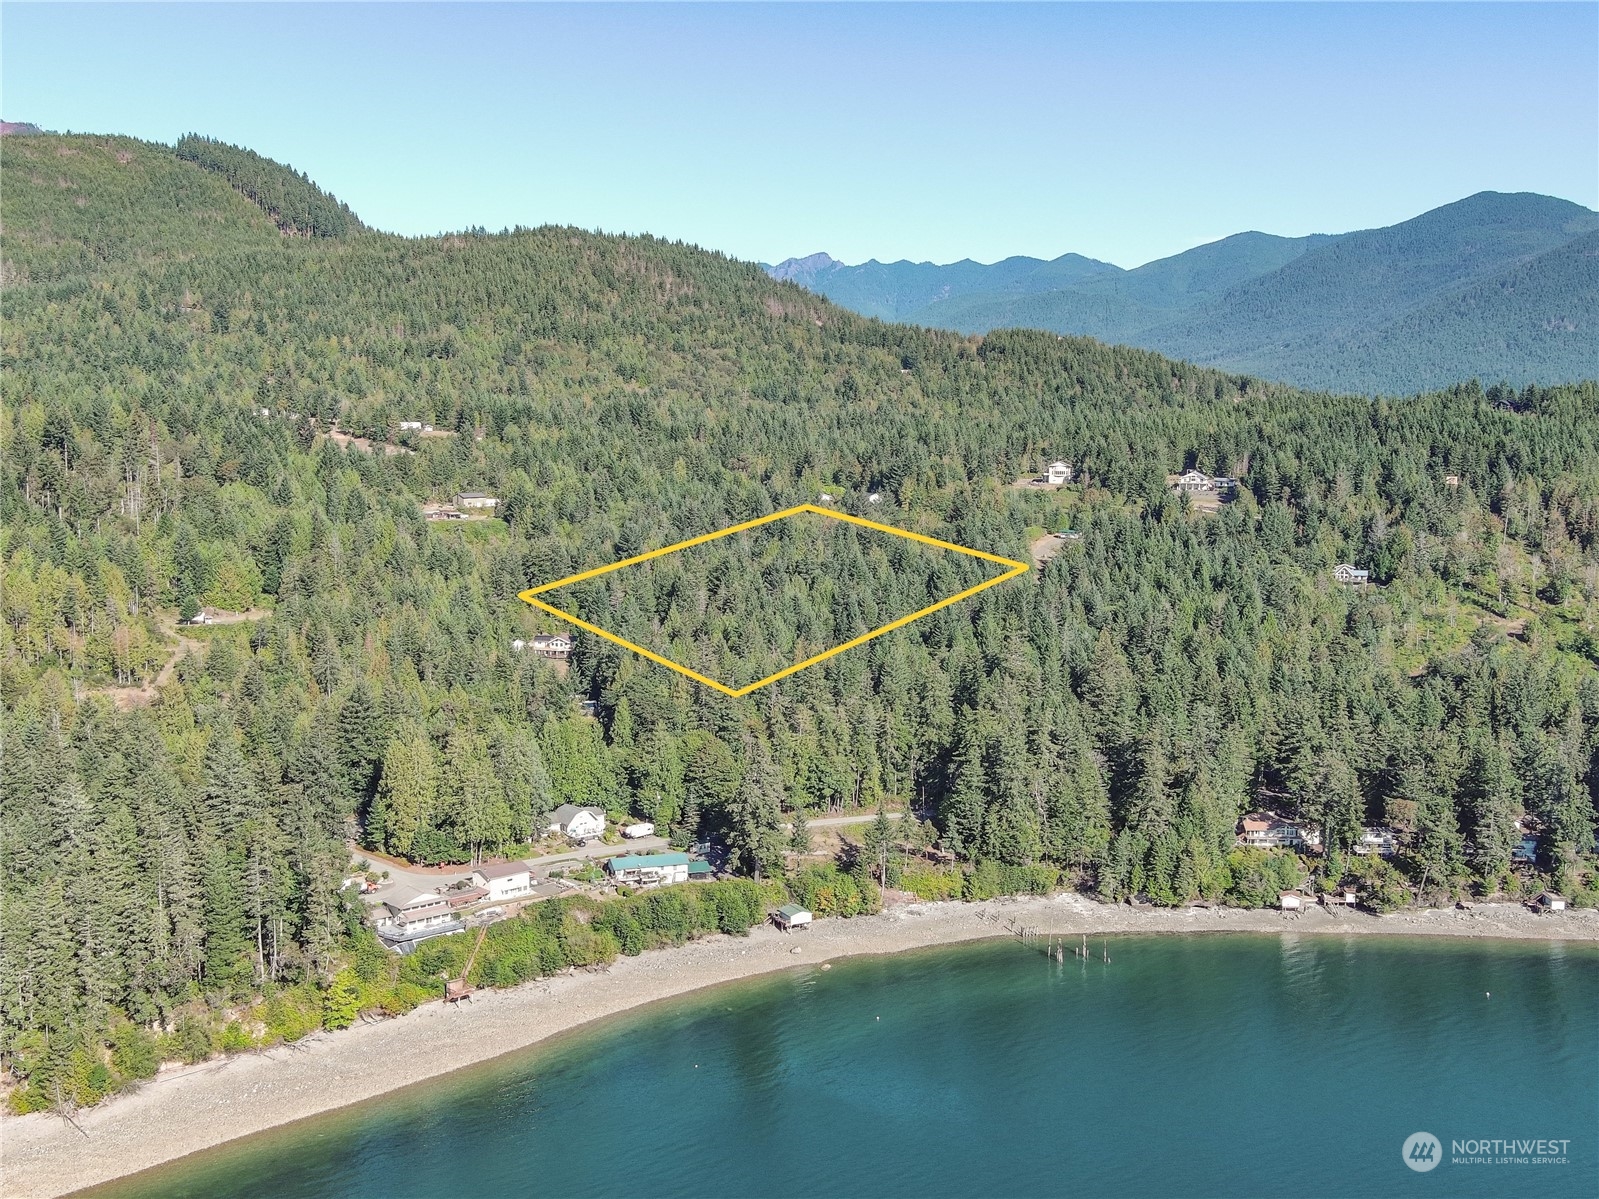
(182, 382)
(1377, 310)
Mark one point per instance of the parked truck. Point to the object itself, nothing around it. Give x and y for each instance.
(643, 829)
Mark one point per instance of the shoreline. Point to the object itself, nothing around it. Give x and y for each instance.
(188, 1110)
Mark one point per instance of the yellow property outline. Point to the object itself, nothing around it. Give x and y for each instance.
(531, 595)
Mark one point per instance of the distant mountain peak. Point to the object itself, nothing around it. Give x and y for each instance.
(803, 270)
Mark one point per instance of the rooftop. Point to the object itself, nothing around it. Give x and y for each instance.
(646, 861)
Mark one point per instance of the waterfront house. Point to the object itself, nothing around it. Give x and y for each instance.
(552, 645)
(1350, 575)
(790, 917)
(1377, 840)
(1058, 473)
(1293, 901)
(507, 880)
(648, 869)
(410, 917)
(480, 500)
(577, 823)
(1343, 897)
(1263, 830)
(1550, 902)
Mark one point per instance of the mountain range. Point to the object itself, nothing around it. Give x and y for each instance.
(1503, 287)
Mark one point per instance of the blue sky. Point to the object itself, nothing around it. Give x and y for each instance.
(1125, 132)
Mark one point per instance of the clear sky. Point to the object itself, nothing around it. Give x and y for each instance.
(1125, 132)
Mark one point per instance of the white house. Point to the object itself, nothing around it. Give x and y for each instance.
(414, 426)
(1058, 473)
(1379, 841)
(1292, 901)
(1349, 575)
(409, 912)
(1261, 830)
(1550, 902)
(649, 869)
(476, 499)
(577, 823)
(508, 880)
(552, 645)
(1194, 481)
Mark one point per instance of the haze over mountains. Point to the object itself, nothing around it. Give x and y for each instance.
(1496, 286)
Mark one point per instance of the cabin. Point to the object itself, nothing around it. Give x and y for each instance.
(1058, 473)
(507, 880)
(1262, 830)
(1526, 852)
(1293, 901)
(478, 500)
(1376, 840)
(1548, 901)
(1344, 897)
(577, 823)
(552, 645)
(410, 426)
(1451, 480)
(790, 917)
(648, 869)
(1350, 575)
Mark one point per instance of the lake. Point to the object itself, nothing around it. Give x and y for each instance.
(1187, 1065)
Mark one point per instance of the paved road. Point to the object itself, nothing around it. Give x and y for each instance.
(426, 879)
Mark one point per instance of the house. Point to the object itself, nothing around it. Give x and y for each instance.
(648, 869)
(1262, 830)
(552, 645)
(1350, 575)
(1451, 480)
(1548, 901)
(1379, 841)
(1293, 901)
(587, 707)
(476, 499)
(1058, 473)
(577, 823)
(507, 880)
(1069, 535)
(410, 917)
(1193, 481)
(1526, 851)
(1344, 897)
(791, 916)
(411, 426)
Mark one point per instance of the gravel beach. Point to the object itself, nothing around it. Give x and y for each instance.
(186, 1110)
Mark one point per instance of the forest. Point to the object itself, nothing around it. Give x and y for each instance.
(202, 410)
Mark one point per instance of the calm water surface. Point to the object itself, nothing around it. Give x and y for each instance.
(1214, 1065)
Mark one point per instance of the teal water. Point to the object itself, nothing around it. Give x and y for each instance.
(1195, 1066)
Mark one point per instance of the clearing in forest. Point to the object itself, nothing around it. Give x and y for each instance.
(766, 598)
